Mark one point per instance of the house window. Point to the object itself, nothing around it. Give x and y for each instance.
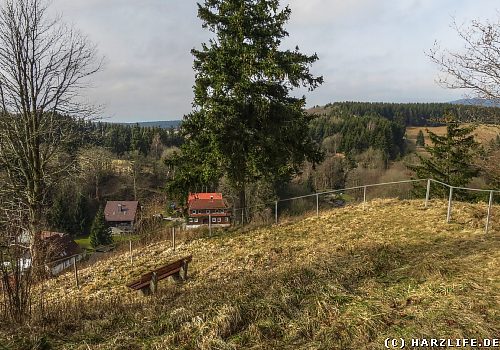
(207, 211)
(194, 211)
(227, 219)
(190, 219)
(214, 219)
(218, 220)
(195, 219)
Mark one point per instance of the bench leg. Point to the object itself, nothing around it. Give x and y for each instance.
(154, 283)
(146, 290)
(185, 270)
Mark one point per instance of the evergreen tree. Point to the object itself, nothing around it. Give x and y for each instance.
(58, 216)
(246, 125)
(80, 215)
(450, 157)
(100, 233)
(420, 139)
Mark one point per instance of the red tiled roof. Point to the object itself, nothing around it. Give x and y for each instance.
(207, 204)
(118, 211)
(206, 201)
(204, 195)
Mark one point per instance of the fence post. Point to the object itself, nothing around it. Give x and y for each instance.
(428, 192)
(317, 204)
(130, 249)
(489, 213)
(364, 197)
(276, 212)
(242, 217)
(173, 238)
(448, 216)
(75, 268)
(210, 224)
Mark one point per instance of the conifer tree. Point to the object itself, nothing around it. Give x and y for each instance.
(245, 125)
(420, 139)
(451, 156)
(100, 233)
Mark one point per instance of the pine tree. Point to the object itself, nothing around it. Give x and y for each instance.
(420, 139)
(100, 233)
(246, 125)
(450, 157)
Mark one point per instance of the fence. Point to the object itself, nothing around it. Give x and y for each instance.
(310, 204)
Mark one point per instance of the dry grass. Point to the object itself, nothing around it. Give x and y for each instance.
(345, 280)
(483, 134)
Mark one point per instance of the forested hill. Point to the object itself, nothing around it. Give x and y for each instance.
(411, 114)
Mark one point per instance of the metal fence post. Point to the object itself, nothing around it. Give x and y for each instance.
(173, 238)
(448, 216)
(489, 213)
(317, 204)
(276, 212)
(210, 224)
(364, 197)
(428, 192)
(130, 249)
(76, 272)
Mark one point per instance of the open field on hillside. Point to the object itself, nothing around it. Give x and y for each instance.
(345, 280)
(483, 133)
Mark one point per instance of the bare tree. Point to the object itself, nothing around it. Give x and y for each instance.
(15, 277)
(477, 66)
(44, 64)
(95, 163)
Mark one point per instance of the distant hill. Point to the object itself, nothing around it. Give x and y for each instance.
(476, 102)
(164, 124)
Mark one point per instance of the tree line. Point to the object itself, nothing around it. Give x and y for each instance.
(416, 114)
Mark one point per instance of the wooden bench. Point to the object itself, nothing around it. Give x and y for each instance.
(147, 284)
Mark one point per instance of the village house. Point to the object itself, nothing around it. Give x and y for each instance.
(205, 208)
(121, 216)
(60, 250)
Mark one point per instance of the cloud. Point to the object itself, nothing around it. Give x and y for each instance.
(369, 50)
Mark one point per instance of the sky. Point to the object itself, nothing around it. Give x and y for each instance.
(369, 50)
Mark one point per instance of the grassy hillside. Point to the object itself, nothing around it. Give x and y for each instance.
(483, 133)
(345, 280)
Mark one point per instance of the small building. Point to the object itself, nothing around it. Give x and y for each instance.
(205, 208)
(60, 250)
(121, 216)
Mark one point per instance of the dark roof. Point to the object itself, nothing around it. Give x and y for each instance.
(118, 211)
(207, 204)
(59, 246)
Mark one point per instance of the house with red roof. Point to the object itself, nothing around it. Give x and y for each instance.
(121, 216)
(207, 209)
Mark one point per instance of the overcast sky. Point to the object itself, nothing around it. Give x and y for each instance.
(369, 50)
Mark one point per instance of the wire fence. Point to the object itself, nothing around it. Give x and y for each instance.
(288, 209)
(313, 204)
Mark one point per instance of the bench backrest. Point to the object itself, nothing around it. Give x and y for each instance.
(161, 273)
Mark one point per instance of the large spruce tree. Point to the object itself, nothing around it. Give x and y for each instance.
(245, 125)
